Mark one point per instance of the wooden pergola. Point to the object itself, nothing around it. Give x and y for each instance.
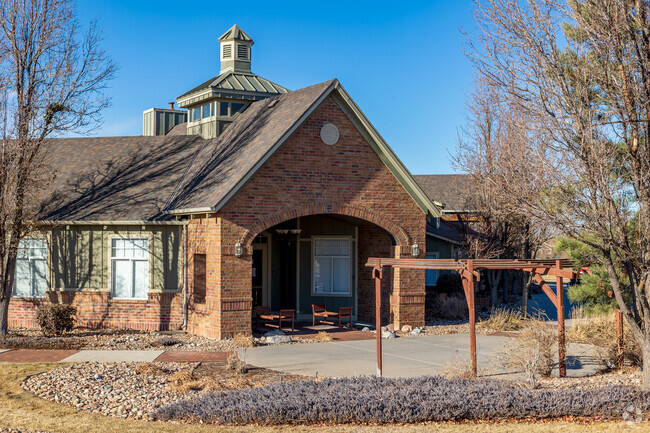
(470, 275)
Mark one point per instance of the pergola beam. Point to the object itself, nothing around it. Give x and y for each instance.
(469, 272)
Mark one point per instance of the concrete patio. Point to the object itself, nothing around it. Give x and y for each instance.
(402, 357)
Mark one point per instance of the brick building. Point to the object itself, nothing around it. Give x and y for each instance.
(248, 195)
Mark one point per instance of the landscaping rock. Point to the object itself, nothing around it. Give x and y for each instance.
(407, 328)
(366, 329)
(274, 332)
(277, 339)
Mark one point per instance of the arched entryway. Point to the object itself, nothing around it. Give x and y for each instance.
(319, 259)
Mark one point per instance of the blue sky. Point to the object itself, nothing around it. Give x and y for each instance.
(402, 62)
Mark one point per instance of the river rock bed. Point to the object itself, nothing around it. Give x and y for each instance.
(114, 389)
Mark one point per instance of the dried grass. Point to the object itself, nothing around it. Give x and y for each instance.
(600, 330)
(505, 319)
(531, 351)
(241, 340)
(323, 336)
(237, 365)
(458, 368)
(151, 369)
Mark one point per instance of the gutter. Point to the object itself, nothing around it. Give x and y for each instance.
(115, 223)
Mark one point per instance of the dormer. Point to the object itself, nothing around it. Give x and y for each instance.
(235, 50)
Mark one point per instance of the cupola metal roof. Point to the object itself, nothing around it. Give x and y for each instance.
(235, 33)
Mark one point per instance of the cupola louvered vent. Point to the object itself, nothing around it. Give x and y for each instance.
(227, 51)
(242, 52)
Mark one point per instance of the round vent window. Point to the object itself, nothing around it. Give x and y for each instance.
(329, 133)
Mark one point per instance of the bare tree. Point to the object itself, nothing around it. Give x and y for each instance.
(490, 151)
(52, 78)
(578, 70)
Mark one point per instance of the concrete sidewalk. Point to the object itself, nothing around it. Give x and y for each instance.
(402, 357)
(28, 356)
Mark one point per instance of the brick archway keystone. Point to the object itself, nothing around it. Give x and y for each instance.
(400, 235)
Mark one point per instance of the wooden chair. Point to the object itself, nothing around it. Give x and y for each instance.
(345, 313)
(264, 313)
(286, 315)
(319, 310)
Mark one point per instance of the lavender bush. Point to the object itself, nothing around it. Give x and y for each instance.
(407, 400)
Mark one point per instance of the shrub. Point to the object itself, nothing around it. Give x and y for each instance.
(531, 351)
(450, 283)
(451, 307)
(404, 400)
(56, 319)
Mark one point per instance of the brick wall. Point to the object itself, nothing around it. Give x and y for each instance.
(160, 312)
(306, 177)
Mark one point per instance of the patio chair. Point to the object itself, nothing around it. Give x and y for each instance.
(264, 314)
(319, 310)
(345, 313)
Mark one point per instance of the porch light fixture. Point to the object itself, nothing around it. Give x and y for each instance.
(239, 249)
(415, 250)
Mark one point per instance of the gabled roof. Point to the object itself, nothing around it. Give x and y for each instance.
(238, 81)
(151, 178)
(225, 164)
(455, 191)
(113, 178)
(235, 32)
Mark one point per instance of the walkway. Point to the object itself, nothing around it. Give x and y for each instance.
(403, 357)
(25, 356)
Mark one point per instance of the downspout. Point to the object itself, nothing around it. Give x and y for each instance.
(185, 243)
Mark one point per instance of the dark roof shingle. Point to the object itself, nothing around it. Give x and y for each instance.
(454, 191)
(113, 178)
(223, 162)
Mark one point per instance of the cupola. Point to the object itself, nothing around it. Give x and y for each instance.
(235, 50)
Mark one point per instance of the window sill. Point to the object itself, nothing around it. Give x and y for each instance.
(129, 299)
(333, 295)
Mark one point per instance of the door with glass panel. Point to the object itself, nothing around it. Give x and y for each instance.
(30, 280)
(130, 268)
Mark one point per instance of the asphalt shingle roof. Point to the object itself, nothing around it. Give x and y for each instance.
(223, 162)
(454, 191)
(113, 178)
(139, 178)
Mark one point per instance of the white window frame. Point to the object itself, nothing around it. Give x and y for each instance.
(431, 255)
(131, 260)
(313, 263)
(32, 259)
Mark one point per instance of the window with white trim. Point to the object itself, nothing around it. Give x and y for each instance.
(30, 279)
(430, 275)
(332, 266)
(130, 268)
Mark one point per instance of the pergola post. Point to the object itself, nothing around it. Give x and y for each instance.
(619, 337)
(561, 340)
(468, 278)
(376, 273)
